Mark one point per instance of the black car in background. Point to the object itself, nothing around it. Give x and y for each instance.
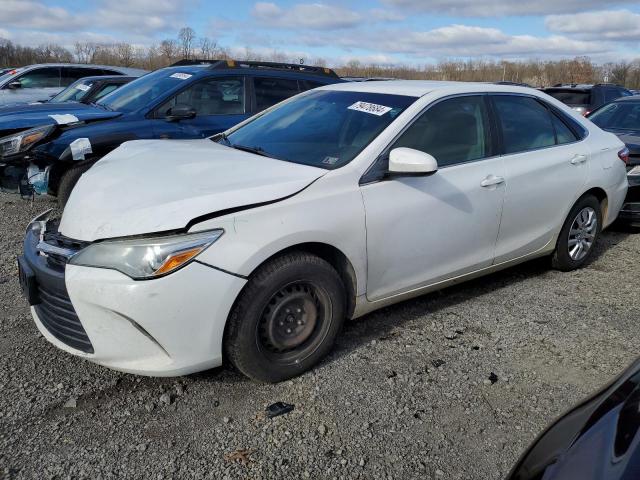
(90, 89)
(586, 98)
(622, 117)
(599, 439)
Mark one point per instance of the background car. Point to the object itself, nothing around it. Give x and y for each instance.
(90, 89)
(586, 98)
(622, 117)
(39, 82)
(599, 439)
(191, 100)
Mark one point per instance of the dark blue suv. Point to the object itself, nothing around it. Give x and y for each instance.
(190, 99)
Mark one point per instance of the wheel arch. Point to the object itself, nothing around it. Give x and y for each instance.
(601, 196)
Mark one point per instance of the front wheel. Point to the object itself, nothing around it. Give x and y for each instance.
(69, 180)
(286, 318)
(579, 234)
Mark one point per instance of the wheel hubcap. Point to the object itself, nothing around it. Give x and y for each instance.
(582, 233)
(290, 318)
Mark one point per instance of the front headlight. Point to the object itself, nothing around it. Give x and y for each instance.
(21, 142)
(145, 258)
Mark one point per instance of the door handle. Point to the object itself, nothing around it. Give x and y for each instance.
(578, 159)
(491, 180)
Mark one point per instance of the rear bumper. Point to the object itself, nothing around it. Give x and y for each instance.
(168, 326)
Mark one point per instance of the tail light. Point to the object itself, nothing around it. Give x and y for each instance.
(624, 155)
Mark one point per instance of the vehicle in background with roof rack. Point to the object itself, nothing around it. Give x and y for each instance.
(585, 98)
(41, 81)
(194, 99)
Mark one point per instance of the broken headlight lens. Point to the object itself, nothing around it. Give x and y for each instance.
(20, 142)
(146, 258)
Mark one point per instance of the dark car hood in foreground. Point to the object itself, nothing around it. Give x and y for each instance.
(28, 116)
(597, 440)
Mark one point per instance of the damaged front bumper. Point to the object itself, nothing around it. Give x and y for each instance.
(27, 180)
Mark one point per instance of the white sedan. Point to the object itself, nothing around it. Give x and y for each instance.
(255, 245)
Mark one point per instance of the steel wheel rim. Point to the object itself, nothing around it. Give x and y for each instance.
(294, 322)
(582, 233)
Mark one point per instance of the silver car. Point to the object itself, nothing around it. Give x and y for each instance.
(40, 82)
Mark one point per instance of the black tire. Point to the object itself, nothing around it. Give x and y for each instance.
(268, 338)
(562, 259)
(68, 180)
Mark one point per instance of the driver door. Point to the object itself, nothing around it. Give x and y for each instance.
(219, 102)
(425, 229)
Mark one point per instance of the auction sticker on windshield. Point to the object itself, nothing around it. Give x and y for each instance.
(83, 87)
(181, 76)
(371, 108)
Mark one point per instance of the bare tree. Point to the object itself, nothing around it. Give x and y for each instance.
(186, 36)
(85, 51)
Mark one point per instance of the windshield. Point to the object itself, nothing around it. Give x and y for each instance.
(324, 128)
(620, 116)
(144, 90)
(73, 93)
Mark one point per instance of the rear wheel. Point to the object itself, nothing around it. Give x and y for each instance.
(68, 180)
(286, 319)
(578, 235)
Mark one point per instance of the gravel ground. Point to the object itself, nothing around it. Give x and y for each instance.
(405, 394)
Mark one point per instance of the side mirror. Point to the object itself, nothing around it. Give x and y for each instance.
(180, 112)
(14, 85)
(407, 161)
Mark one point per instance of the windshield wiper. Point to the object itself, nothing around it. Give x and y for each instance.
(256, 150)
(101, 105)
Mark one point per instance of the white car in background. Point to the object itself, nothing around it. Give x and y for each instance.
(255, 245)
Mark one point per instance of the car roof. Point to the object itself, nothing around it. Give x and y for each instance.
(97, 78)
(419, 88)
(201, 69)
(632, 99)
(136, 72)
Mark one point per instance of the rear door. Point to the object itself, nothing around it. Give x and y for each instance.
(545, 169)
(220, 103)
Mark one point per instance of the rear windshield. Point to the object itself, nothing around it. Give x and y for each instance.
(570, 97)
(618, 116)
(323, 128)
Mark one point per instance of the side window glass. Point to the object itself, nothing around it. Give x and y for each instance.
(71, 74)
(41, 78)
(453, 131)
(106, 89)
(308, 85)
(563, 133)
(215, 96)
(526, 124)
(270, 90)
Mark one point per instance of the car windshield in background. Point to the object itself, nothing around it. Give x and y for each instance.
(139, 93)
(73, 93)
(618, 116)
(325, 128)
(570, 97)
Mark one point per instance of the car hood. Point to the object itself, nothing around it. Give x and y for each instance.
(149, 186)
(27, 116)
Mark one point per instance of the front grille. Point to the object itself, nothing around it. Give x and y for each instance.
(57, 314)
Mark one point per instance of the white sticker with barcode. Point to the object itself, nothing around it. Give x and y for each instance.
(372, 108)
(181, 76)
(83, 87)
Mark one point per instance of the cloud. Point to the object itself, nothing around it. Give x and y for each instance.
(619, 25)
(386, 15)
(36, 15)
(317, 16)
(490, 8)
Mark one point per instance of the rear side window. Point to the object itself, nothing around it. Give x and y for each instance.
(71, 74)
(563, 133)
(452, 131)
(571, 97)
(526, 124)
(270, 90)
(41, 78)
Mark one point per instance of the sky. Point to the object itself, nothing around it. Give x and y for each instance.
(407, 32)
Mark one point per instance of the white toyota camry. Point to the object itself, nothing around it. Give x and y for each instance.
(255, 245)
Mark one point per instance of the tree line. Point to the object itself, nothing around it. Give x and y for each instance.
(187, 45)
